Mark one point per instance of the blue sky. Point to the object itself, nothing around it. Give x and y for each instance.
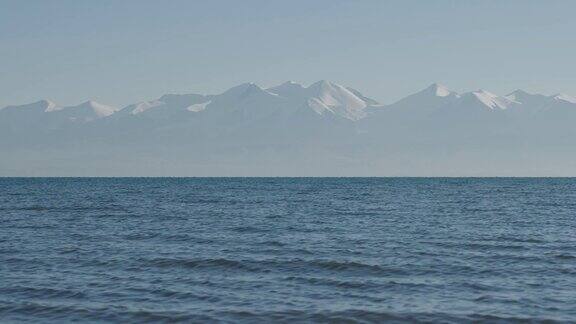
(122, 51)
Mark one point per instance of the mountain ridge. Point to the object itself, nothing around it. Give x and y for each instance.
(322, 97)
(292, 129)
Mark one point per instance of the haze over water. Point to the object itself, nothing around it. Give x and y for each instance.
(287, 249)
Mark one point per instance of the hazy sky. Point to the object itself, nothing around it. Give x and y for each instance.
(122, 51)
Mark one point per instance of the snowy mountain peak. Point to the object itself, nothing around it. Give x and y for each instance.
(244, 90)
(334, 94)
(424, 101)
(439, 90)
(528, 100)
(248, 101)
(183, 101)
(564, 97)
(323, 87)
(98, 109)
(367, 100)
(483, 92)
(85, 112)
(327, 87)
(89, 104)
(327, 96)
(49, 105)
(489, 99)
(246, 86)
(288, 84)
(434, 92)
(143, 106)
(38, 106)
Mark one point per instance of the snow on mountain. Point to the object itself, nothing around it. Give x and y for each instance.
(439, 90)
(145, 117)
(322, 98)
(327, 97)
(565, 98)
(84, 112)
(88, 110)
(435, 92)
(438, 100)
(35, 107)
(168, 102)
(45, 116)
(485, 100)
(247, 104)
(524, 97)
(368, 101)
(249, 110)
(199, 107)
(291, 124)
(417, 105)
(26, 118)
(144, 106)
(529, 102)
(562, 104)
(237, 105)
(540, 104)
(245, 101)
(182, 100)
(243, 92)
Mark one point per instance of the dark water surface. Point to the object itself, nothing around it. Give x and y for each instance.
(287, 250)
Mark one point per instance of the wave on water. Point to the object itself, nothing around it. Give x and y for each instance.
(287, 250)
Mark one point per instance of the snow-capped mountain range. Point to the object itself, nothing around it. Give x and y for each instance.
(322, 98)
(294, 122)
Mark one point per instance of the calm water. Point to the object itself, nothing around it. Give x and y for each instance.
(261, 250)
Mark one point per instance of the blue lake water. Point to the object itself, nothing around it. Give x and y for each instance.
(287, 250)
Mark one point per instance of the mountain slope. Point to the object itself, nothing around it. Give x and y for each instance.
(84, 112)
(295, 127)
